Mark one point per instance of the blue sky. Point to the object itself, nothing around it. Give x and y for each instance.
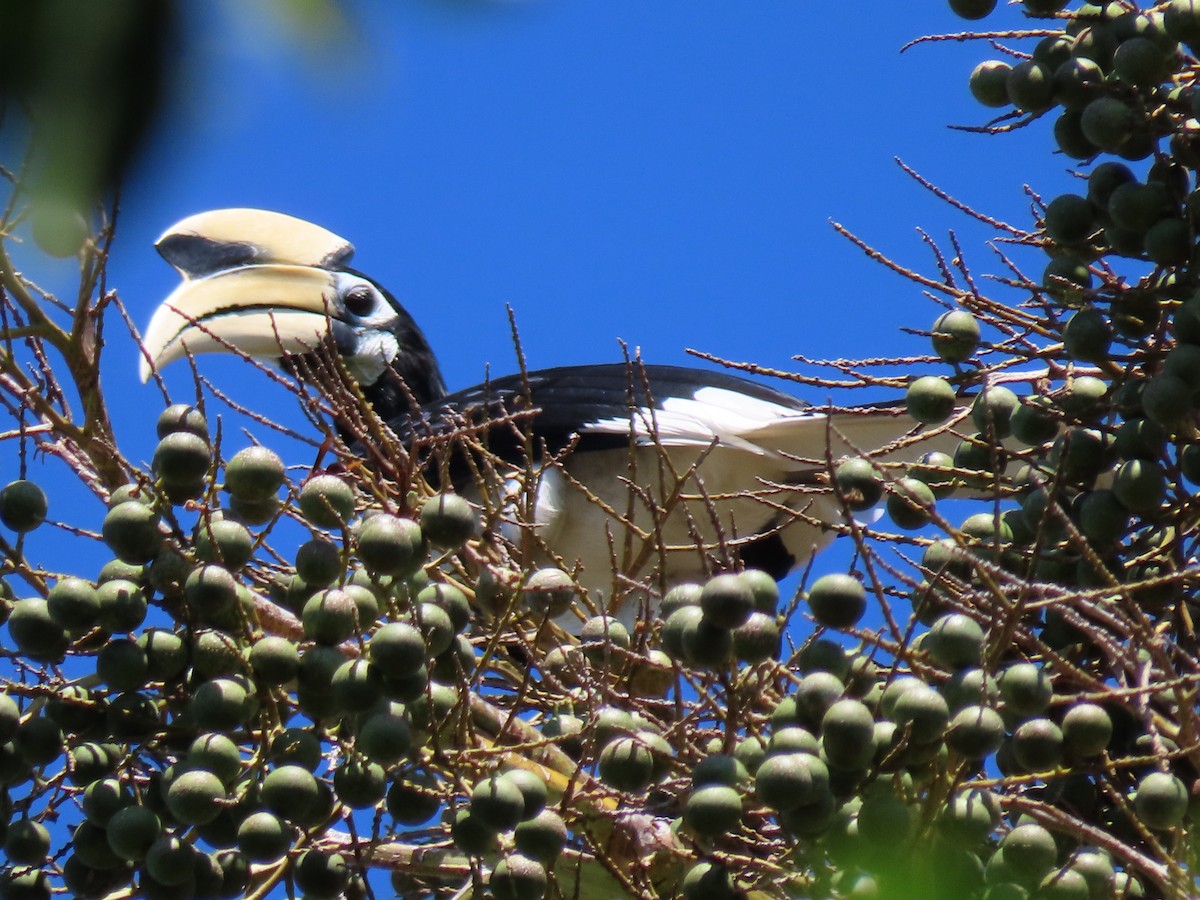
(661, 173)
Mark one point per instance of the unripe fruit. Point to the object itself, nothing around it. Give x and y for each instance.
(220, 705)
(73, 604)
(498, 803)
(330, 617)
(388, 545)
(1106, 178)
(542, 837)
(35, 632)
(131, 832)
(989, 83)
(131, 531)
(678, 596)
(356, 686)
(763, 588)
(719, 768)
(858, 483)
(976, 731)
(847, 734)
(1167, 401)
(713, 810)
(1077, 82)
(1033, 422)
(384, 738)
(210, 589)
(1140, 485)
(1168, 242)
(27, 843)
(910, 503)
(1026, 689)
(884, 819)
(291, 791)
(448, 521)
(992, 411)
(707, 646)
(708, 881)
(122, 665)
(1069, 219)
(1140, 61)
(1066, 278)
(359, 783)
(517, 877)
(924, 711)
(1087, 336)
(1139, 439)
(1030, 87)
(398, 649)
(549, 592)
(1108, 123)
(275, 660)
(1135, 207)
(726, 601)
(263, 837)
(181, 417)
(786, 781)
(414, 798)
(837, 601)
(755, 640)
(225, 542)
(955, 335)
(171, 861)
(327, 501)
(1161, 800)
(254, 474)
(930, 399)
(677, 628)
(955, 641)
(627, 764)
(1037, 745)
(182, 458)
(470, 835)
(320, 874)
(972, 9)
(1087, 728)
(969, 817)
(23, 506)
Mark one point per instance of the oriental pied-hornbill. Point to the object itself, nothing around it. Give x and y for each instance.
(701, 462)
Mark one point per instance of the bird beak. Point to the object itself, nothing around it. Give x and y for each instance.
(261, 311)
(255, 282)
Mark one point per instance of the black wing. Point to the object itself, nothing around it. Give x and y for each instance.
(573, 403)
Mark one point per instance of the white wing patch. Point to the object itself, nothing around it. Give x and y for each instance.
(549, 502)
(711, 413)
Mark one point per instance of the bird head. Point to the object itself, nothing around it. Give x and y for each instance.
(269, 285)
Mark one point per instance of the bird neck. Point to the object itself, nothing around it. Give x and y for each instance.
(413, 380)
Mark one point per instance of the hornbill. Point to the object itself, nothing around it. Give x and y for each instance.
(717, 469)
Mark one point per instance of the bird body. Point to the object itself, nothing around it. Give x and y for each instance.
(628, 474)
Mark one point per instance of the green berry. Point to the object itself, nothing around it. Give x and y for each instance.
(254, 474)
(930, 400)
(955, 336)
(989, 83)
(23, 506)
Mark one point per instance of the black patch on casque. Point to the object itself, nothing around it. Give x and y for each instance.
(197, 256)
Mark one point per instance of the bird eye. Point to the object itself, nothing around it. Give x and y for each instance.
(359, 300)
